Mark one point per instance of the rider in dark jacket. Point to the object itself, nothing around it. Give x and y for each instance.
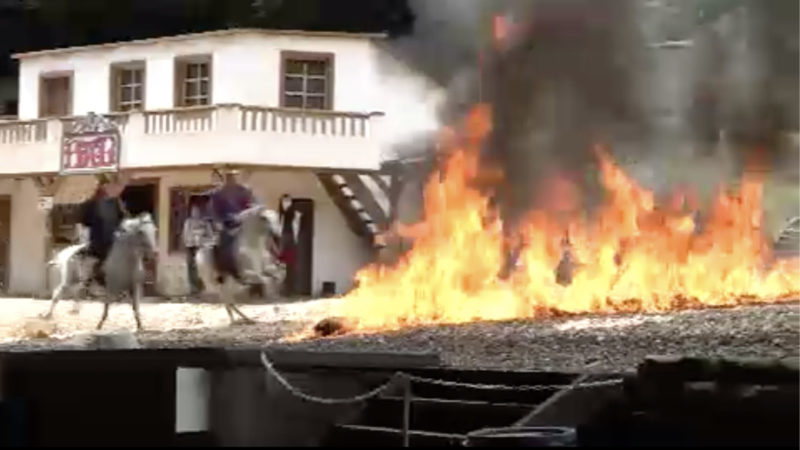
(226, 202)
(102, 214)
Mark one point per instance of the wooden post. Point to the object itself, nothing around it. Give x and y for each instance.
(395, 188)
(406, 410)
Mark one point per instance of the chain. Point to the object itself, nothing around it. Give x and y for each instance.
(541, 387)
(326, 401)
(398, 376)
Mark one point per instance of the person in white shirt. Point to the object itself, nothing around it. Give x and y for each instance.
(196, 233)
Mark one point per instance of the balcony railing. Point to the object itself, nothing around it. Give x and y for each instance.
(23, 132)
(220, 134)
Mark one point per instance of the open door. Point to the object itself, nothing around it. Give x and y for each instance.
(5, 241)
(305, 248)
(55, 95)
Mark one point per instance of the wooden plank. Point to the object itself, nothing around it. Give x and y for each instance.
(362, 435)
(354, 222)
(378, 179)
(443, 415)
(286, 358)
(367, 198)
(572, 407)
(213, 357)
(672, 369)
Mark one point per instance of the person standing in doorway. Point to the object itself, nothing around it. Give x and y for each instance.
(289, 218)
(196, 233)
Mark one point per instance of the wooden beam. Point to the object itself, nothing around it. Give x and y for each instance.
(395, 188)
(350, 216)
(367, 198)
(378, 179)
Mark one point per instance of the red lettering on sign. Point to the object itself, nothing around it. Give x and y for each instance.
(86, 153)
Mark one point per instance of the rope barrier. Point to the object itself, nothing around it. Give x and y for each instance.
(325, 401)
(521, 388)
(406, 378)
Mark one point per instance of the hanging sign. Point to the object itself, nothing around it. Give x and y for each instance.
(91, 146)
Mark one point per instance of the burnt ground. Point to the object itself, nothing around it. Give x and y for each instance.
(617, 342)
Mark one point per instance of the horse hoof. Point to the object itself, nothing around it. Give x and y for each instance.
(47, 316)
(243, 322)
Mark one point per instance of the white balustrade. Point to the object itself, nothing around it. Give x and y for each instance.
(288, 121)
(185, 120)
(23, 132)
(214, 134)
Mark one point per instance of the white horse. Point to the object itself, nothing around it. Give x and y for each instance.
(74, 269)
(124, 272)
(256, 264)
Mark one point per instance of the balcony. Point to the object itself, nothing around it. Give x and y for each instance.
(213, 135)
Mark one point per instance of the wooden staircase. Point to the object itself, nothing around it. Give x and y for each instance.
(363, 200)
(788, 242)
(441, 415)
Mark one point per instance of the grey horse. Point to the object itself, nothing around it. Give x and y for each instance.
(124, 266)
(257, 265)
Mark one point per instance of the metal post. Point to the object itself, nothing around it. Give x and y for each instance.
(406, 410)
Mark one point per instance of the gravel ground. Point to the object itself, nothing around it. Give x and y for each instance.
(166, 324)
(615, 342)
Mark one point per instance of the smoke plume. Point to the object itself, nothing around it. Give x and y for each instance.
(679, 96)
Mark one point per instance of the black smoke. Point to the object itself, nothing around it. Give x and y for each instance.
(660, 82)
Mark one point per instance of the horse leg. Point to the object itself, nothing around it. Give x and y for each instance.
(231, 303)
(244, 317)
(54, 301)
(106, 303)
(77, 295)
(230, 314)
(137, 295)
(76, 307)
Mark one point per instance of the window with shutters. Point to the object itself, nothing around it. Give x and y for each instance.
(193, 81)
(307, 80)
(127, 86)
(55, 95)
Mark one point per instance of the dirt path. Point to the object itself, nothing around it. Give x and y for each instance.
(19, 317)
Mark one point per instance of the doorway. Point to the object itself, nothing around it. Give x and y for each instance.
(141, 196)
(5, 241)
(305, 248)
(55, 99)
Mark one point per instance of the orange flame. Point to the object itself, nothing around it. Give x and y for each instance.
(633, 256)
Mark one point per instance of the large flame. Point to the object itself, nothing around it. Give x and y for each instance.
(633, 255)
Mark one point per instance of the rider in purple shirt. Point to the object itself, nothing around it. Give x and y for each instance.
(226, 202)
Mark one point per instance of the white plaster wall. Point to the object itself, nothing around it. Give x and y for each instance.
(26, 255)
(337, 252)
(246, 69)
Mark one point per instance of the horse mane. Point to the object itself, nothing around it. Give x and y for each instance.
(247, 216)
(127, 225)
